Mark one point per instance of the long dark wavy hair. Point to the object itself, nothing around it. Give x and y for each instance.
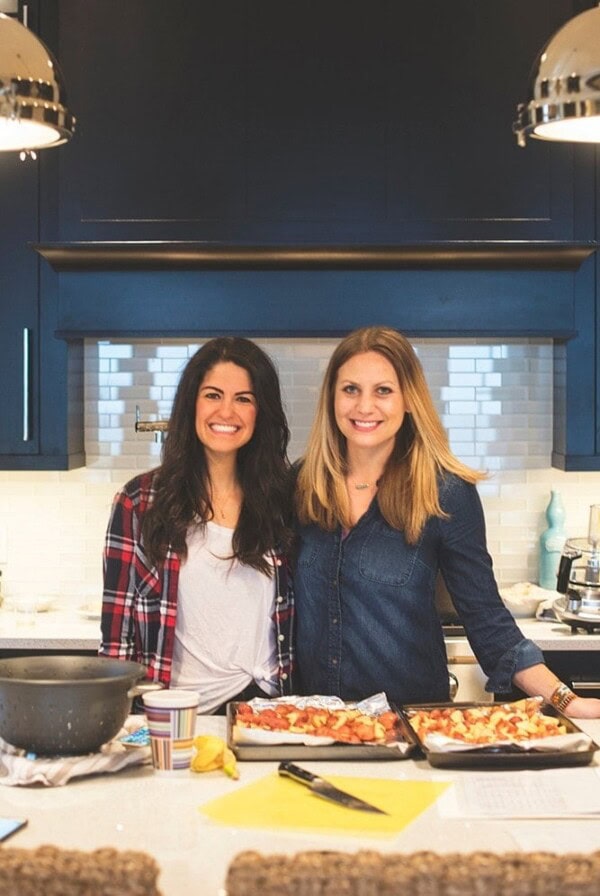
(182, 480)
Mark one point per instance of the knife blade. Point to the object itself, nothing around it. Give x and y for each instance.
(321, 787)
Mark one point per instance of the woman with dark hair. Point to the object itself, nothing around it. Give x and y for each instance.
(196, 583)
(383, 506)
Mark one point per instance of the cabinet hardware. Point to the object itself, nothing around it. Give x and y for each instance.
(26, 433)
(454, 685)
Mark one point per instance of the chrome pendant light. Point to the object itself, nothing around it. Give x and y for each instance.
(33, 110)
(564, 90)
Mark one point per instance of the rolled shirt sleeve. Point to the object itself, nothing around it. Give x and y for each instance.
(521, 656)
(466, 566)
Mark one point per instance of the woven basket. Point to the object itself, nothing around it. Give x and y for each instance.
(49, 871)
(417, 874)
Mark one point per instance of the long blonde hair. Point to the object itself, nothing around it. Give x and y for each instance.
(408, 491)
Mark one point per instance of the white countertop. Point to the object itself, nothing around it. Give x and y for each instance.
(67, 629)
(60, 629)
(547, 635)
(135, 809)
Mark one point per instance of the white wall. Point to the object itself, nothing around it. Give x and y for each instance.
(494, 398)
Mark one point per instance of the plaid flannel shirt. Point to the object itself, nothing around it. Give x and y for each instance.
(139, 608)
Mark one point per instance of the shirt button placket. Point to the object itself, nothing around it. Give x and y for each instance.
(334, 639)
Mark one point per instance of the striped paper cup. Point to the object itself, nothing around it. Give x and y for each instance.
(171, 716)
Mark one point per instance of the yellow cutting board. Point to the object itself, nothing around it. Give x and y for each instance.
(277, 802)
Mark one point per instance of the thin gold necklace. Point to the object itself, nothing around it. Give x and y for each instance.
(360, 486)
(222, 505)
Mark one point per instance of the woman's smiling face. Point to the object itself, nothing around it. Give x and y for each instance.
(226, 408)
(369, 405)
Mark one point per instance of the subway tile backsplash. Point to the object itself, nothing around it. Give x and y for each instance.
(495, 399)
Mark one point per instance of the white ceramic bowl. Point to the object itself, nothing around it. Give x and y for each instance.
(27, 604)
(523, 599)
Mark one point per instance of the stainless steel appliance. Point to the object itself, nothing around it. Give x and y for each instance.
(446, 610)
(578, 579)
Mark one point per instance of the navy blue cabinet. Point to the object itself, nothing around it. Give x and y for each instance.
(326, 121)
(576, 369)
(42, 402)
(19, 330)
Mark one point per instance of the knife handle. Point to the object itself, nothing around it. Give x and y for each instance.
(288, 769)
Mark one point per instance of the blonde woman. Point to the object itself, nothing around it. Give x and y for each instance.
(383, 506)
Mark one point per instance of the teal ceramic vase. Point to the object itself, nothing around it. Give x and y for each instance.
(552, 541)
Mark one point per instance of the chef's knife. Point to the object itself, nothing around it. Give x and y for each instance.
(323, 788)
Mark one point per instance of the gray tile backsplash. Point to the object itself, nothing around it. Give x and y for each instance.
(495, 399)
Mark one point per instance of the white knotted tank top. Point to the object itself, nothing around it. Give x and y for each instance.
(224, 632)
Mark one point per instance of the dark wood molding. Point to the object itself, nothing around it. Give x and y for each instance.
(257, 333)
(158, 255)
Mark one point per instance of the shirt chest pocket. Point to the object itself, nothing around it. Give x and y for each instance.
(148, 590)
(386, 558)
(312, 547)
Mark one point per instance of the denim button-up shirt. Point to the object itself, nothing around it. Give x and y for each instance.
(365, 605)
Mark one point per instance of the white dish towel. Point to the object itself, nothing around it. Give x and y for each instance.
(17, 768)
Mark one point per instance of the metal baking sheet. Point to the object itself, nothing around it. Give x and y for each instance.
(502, 757)
(326, 752)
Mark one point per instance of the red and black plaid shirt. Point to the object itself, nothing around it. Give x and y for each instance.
(139, 608)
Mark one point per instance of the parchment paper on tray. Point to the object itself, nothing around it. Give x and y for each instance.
(372, 706)
(519, 726)
(439, 743)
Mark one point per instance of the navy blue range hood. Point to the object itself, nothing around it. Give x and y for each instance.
(160, 289)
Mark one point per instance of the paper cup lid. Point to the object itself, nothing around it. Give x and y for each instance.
(171, 699)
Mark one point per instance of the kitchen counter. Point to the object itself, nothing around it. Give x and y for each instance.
(68, 629)
(136, 809)
(60, 629)
(547, 635)
(571, 656)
